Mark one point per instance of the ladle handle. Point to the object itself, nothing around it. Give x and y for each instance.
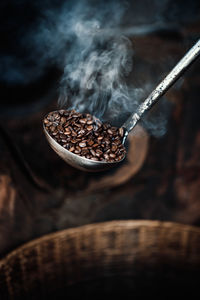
(167, 82)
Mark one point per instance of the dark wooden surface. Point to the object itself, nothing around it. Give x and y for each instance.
(47, 195)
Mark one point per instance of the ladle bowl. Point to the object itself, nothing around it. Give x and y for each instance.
(77, 161)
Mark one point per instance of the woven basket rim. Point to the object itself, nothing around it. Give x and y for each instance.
(107, 226)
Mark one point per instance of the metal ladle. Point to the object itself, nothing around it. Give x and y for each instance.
(89, 165)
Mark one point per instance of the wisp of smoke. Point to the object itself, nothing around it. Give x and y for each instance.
(88, 40)
(97, 63)
(84, 38)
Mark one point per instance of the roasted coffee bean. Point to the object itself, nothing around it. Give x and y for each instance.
(74, 133)
(60, 128)
(64, 140)
(73, 141)
(83, 121)
(77, 125)
(110, 131)
(61, 112)
(108, 151)
(82, 144)
(89, 128)
(95, 145)
(99, 138)
(63, 120)
(50, 118)
(85, 150)
(106, 156)
(67, 130)
(48, 124)
(117, 142)
(121, 131)
(66, 124)
(107, 141)
(77, 150)
(85, 135)
(93, 152)
(72, 149)
(55, 132)
(90, 142)
(98, 154)
(81, 132)
(114, 147)
(52, 128)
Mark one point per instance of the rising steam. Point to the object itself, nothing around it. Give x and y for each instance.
(97, 63)
(94, 79)
(88, 40)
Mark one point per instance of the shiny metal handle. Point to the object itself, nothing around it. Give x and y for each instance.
(167, 82)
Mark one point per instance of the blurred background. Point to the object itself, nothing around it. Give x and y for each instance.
(160, 179)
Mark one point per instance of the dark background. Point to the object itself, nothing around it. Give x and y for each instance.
(39, 193)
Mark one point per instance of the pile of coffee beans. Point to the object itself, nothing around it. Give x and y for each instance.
(85, 135)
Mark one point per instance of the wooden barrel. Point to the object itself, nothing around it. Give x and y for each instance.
(118, 258)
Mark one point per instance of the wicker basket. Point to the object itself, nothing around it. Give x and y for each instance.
(119, 258)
